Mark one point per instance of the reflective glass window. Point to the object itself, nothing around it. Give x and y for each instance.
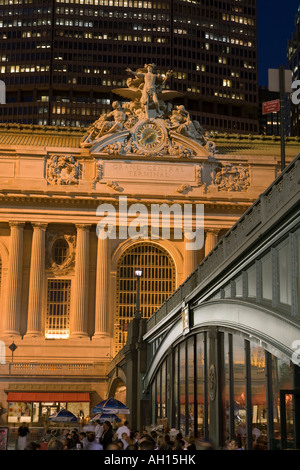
(258, 396)
(239, 388)
(284, 273)
(200, 363)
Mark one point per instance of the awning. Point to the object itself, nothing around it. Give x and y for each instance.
(62, 397)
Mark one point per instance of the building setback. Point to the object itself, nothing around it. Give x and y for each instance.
(60, 60)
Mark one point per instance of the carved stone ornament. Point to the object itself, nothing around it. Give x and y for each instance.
(68, 264)
(148, 124)
(184, 188)
(62, 170)
(231, 177)
(114, 185)
(212, 382)
(99, 171)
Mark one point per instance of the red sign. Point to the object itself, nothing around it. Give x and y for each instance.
(271, 107)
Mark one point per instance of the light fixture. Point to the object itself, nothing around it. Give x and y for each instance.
(138, 272)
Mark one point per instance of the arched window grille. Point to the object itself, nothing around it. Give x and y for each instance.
(156, 285)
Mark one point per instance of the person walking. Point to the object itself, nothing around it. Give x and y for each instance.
(23, 432)
(98, 431)
(92, 444)
(108, 434)
(122, 429)
(83, 440)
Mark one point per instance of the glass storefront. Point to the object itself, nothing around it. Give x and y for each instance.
(239, 388)
(39, 412)
(248, 384)
(182, 390)
(200, 384)
(282, 380)
(258, 396)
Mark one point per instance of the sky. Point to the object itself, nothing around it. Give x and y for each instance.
(275, 25)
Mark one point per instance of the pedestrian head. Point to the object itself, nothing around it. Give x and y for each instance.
(55, 444)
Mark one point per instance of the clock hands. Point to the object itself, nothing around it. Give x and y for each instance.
(149, 137)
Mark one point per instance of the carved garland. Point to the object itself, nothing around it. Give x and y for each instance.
(62, 170)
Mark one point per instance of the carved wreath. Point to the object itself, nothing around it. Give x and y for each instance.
(62, 169)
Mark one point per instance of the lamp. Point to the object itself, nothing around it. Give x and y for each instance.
(138, 272)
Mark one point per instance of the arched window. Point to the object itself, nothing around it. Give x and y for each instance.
(156, 285)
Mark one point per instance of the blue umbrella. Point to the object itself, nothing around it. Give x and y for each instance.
(106, 417)
(63, 416)
(111, 406)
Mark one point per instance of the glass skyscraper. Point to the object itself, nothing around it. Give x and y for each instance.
(61, 59)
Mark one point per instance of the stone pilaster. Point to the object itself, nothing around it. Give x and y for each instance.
(79, 303)
(211, 240)
(14, 280)
(190, 259)
(102, 290)
(37, 269)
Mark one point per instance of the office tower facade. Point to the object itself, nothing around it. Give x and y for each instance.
(60, 60)
(269, 124)
(293, 58)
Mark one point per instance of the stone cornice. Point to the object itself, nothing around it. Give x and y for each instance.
(85, 199)
(20, 128)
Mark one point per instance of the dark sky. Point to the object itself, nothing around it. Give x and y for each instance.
(275, 26)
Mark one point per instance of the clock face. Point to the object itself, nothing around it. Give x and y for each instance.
(149, 136)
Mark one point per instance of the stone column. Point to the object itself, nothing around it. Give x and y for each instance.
(14, 280)
(190, 259)
(102, 290)
(37, 269)
(80, 292)
(211, 240)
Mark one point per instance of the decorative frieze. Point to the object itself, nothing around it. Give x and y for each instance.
(231, 177)
(62, 170)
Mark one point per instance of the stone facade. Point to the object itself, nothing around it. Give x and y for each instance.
(51, 184)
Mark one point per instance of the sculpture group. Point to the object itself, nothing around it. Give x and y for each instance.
(146, 123)
(147, 100)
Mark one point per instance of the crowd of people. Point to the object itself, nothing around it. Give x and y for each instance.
(103, 436)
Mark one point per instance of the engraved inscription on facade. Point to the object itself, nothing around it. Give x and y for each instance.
(131, 171)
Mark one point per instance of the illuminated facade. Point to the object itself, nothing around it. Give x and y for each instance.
(68, 294)
(61, 59)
